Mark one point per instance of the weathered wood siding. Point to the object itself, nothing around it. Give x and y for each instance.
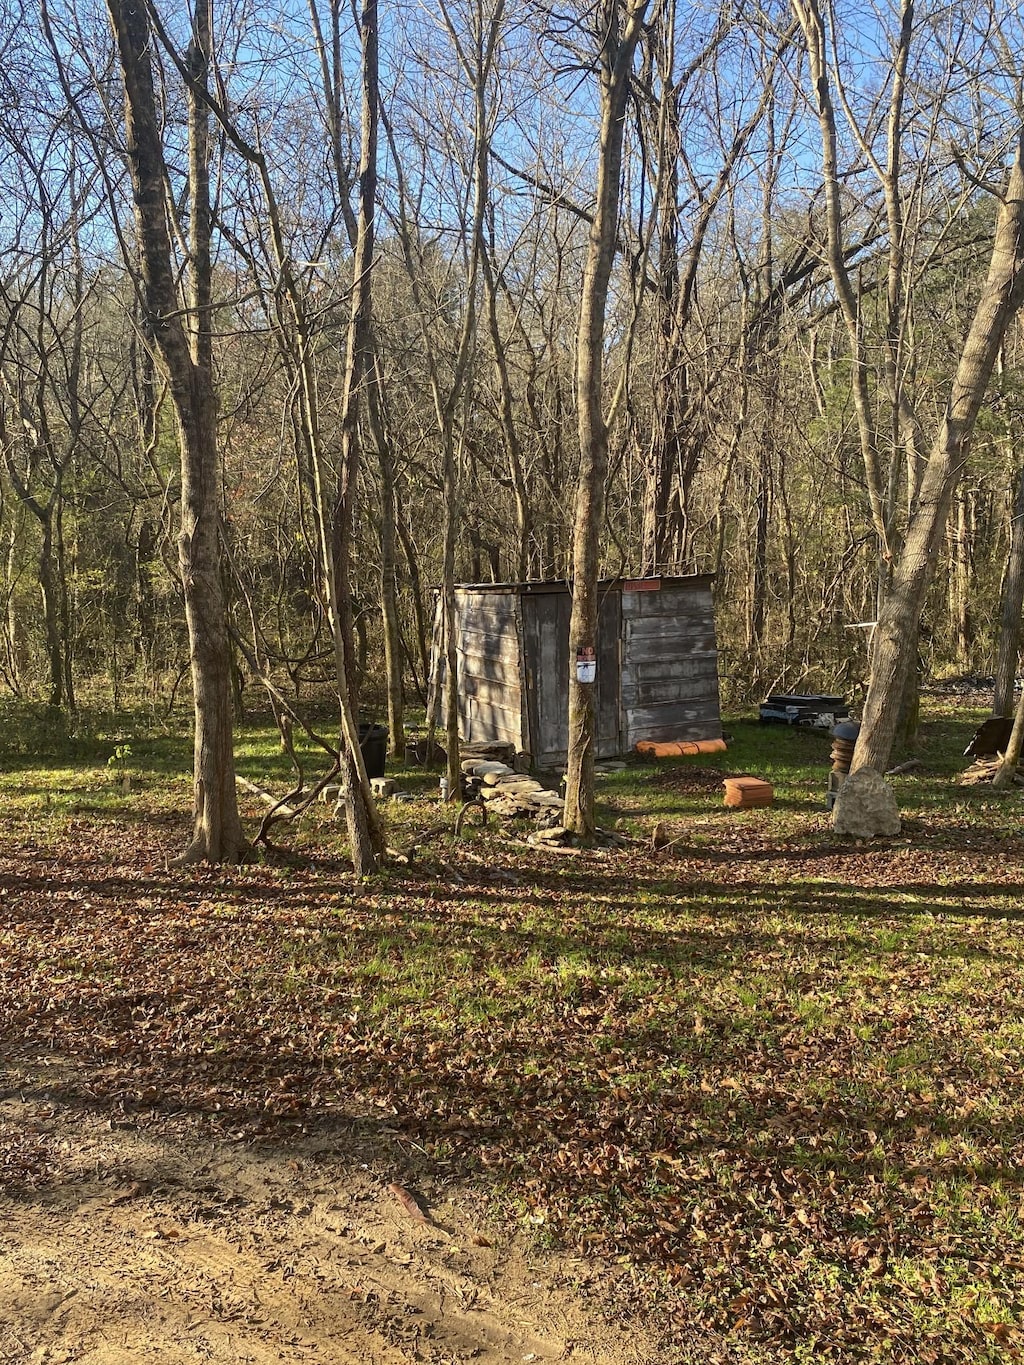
(490, 666)
(657, 665)
(669, 663)
(546, 649)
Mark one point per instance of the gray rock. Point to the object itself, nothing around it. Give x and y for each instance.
(552, 834)
(866, 807)
(491, 769)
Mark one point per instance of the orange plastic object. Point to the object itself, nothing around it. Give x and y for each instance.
(672, 748)
(744, 793)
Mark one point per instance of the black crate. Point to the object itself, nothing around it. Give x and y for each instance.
(373, 740)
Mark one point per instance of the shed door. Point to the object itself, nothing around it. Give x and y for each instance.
(546, 641)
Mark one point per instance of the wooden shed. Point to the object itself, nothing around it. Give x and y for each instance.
(657, 664)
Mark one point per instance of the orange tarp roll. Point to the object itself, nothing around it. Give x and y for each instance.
(672, 748)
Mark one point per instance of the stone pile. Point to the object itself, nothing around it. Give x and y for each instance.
(499, 777)
(506, 792)
(493, 751)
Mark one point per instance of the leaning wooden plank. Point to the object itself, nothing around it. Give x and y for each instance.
(279, 807)
(648, 650)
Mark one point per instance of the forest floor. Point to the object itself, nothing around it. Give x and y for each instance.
(755, 1097)
(147, 1239)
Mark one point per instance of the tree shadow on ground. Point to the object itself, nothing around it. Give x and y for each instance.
(810, 1073)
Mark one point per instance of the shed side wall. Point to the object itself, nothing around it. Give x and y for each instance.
(670, 664)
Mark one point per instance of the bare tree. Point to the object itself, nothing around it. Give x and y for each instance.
(366, 837)
(1011, 602)
(895, 634)
(619, 27)
(182, 334)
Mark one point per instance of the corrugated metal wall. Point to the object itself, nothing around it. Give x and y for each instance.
(546, 651)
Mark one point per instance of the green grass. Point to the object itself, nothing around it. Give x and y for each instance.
(770, 1081)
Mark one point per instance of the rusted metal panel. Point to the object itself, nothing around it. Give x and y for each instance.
(488, 653)
(670, 664)
(609, 675)
(546, 656)
(525, 740)
(546, 651)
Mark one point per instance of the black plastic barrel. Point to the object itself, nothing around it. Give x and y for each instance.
(373, 740)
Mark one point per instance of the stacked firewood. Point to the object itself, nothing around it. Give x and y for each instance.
(985, 769)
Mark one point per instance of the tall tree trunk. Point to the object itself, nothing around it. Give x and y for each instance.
(217, 832)
(366, 837)
(759, 566)
(389, 594)
(1008, 768)
(52, 572)
(960, 582)
(809, 16)
(506, 413)
(621, 22)
(898, 619)
(51, 609)
(449, 614)
(67, 649)
(1010, 607)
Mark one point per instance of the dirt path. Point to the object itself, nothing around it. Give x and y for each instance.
(142, 1243)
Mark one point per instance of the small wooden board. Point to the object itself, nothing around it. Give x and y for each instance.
(746, 793)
